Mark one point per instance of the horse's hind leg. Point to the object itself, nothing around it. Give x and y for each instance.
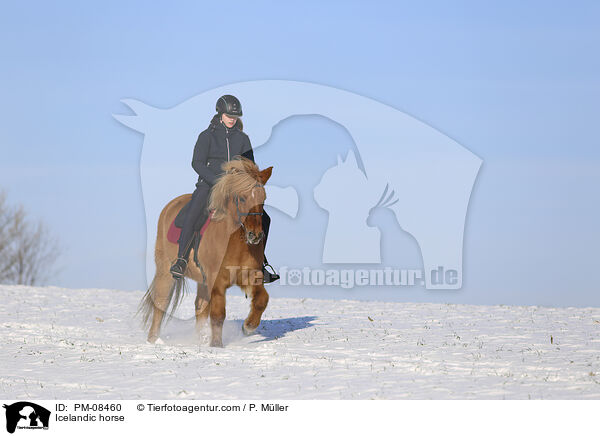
(202, 306)
(217, 316)
(260, 299)
(161, 296)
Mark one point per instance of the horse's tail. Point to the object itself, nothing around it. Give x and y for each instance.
(148, 303)
(146, 306)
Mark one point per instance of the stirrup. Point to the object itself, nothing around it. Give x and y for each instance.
(268, 276)
(178, 268)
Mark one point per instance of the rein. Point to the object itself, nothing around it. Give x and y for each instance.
(245, 214)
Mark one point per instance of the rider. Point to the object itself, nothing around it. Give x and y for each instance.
(220, 142)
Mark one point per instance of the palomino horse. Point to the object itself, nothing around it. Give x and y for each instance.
(231, 252)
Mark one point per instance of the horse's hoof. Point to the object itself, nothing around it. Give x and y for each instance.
(154, 341)
(248, 331)
(216, 344)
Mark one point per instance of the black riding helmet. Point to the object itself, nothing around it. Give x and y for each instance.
(229, 105)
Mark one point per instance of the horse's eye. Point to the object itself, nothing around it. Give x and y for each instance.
(242, 199)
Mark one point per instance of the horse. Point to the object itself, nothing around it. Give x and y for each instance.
(231, 252)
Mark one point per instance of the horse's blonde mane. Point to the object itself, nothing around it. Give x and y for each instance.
(239, 177)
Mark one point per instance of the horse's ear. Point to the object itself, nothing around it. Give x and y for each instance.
(265, 175)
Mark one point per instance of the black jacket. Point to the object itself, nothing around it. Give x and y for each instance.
(217, 145)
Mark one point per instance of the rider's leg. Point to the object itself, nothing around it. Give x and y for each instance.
(195, 213)
(268, 276)
(266, 223)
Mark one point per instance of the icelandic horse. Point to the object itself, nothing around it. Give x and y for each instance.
(231, 252)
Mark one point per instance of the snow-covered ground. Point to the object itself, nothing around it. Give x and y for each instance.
(86, 344)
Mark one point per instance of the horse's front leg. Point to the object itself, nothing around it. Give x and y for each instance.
(260, 299)
(217, 315)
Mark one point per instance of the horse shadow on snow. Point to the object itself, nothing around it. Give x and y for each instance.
(182, 332)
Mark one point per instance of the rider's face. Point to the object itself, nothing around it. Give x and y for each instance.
(228, 121)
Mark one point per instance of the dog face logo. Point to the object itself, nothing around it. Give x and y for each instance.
(398, 163)
(26, 415)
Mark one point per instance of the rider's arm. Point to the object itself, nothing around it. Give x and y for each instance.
(247, 149)
(200, 159)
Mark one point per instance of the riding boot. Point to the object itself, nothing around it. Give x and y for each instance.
(178, 268)
(269, 277)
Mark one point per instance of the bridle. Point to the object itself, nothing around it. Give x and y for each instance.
(245, 214)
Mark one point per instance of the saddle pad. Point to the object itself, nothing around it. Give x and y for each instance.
(175, 231)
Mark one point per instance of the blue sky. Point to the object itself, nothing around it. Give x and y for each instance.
(517, 84)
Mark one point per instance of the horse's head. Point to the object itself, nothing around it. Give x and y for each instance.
(240, 194)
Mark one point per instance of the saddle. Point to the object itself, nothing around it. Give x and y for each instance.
(177, 224)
